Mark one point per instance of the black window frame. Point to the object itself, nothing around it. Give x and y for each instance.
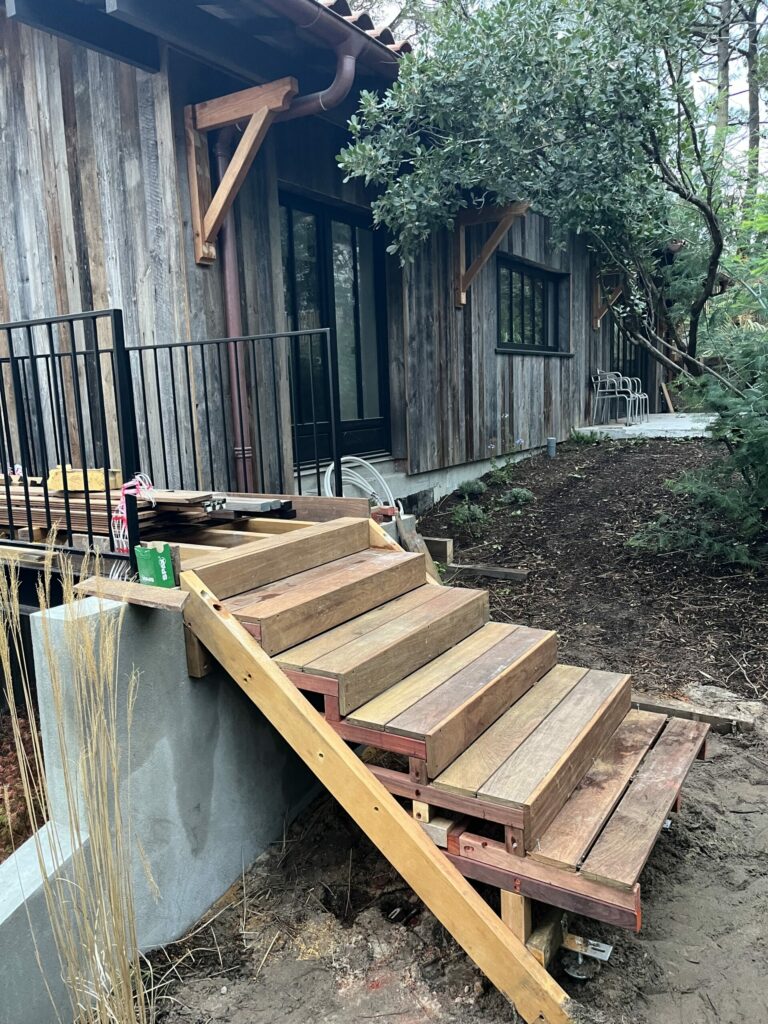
(556, 306)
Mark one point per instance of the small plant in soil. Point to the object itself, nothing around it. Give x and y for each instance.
(472, 488)
(501, 473)
(468, 515)
(585, 437)
(517, 496)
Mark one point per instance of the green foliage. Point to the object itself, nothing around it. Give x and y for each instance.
(518, 496)
(500, 473)
(472, 488)
(725, 514)
(467, 515)
(585, 437)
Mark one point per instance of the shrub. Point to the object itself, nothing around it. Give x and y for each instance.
(468, 515)
(725, 515)
(518, 496)
(472, 488)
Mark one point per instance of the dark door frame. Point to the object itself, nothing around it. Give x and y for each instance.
(348, 431)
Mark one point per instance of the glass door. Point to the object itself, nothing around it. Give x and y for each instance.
(334, 277)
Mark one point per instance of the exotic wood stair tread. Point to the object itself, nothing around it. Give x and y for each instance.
(286, 612)
(620, 853)
(244, 568)
(371, 653)
(543, 772)
(567, 840)
(468, 773)
(403, 695)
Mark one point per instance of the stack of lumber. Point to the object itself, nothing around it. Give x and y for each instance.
(13, 505)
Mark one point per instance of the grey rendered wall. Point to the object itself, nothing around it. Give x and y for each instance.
(211, 782)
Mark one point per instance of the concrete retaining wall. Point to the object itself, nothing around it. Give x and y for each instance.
(211, 783)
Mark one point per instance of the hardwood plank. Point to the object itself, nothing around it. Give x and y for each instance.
(544, 771)
(455, 714)
(469, 772)
(619, 855)
(486, 860)
(304, 655)
(447, 894)
(569, 837)
(284, 555)
(318, 509)
(312, 602)
(375, 661)
(515, 912)
(263, 524)
(167, 598)
(388, 705)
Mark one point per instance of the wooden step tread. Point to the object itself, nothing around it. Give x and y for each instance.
(465, 690)
(477, 764)
(570, 836)
(286, 612)
(620, 853)
(239, 569)
(372, 652)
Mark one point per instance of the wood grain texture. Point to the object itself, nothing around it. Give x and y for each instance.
(283, 555)
(477, 764)
(571, 834)
(166, 598)
(375, 661)
(388, 705)
(554, 756)
(456, 713)
(400, 838)
(304, 655)
(619, 855)
(312, 602)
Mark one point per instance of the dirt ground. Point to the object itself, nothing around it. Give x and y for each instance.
(323, 930)
(14, 820)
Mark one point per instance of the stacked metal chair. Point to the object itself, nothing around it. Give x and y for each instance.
(610, 386)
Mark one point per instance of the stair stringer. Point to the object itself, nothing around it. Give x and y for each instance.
(478, 930)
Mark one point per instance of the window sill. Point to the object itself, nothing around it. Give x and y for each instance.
(509, 350)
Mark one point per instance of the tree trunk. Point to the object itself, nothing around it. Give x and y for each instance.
(753, 116)
(723, 69)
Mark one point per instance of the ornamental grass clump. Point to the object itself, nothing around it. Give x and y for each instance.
(89, 901)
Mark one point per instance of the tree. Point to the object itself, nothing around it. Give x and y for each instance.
(612, 133)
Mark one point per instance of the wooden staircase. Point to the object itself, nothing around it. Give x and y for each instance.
(534, 776)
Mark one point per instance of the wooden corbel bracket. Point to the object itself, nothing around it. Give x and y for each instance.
(463, 275)
(256, 108)
(602, 302)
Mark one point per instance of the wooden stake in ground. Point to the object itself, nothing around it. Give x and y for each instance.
(480, 932)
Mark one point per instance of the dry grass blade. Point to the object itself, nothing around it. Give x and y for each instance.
(90, 905)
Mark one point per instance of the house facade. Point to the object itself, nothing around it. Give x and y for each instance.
(98, 199)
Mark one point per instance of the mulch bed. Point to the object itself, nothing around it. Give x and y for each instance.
(15, 826)
(670, 620)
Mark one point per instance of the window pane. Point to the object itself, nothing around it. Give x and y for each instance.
(369, 354)
(517, 308)
(504, 305)
(528, 330)
(344, 299)
(285, 227)
(312, 385)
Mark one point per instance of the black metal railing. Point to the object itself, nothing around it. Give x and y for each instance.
(66, 400)
(251, 414)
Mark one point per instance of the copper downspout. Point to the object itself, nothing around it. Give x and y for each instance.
(236, 351)
(347, 51)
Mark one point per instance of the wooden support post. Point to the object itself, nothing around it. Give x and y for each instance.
(514, 840)
(547, 937)
(422, 811)
(433, 878)
(516, 914)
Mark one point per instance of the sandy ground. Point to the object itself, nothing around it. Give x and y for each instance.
(312, 939)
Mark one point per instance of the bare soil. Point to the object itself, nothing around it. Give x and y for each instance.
(322, 929)
(15, 825)
(670, 620)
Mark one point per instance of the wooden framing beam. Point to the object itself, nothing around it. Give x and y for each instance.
(463, 275)
(258, 107)
(601, 304)
(492, 946)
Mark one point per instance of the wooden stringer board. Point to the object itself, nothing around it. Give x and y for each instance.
(480, 932)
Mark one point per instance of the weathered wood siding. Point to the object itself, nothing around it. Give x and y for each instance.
(93, 185)
(464, 401)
